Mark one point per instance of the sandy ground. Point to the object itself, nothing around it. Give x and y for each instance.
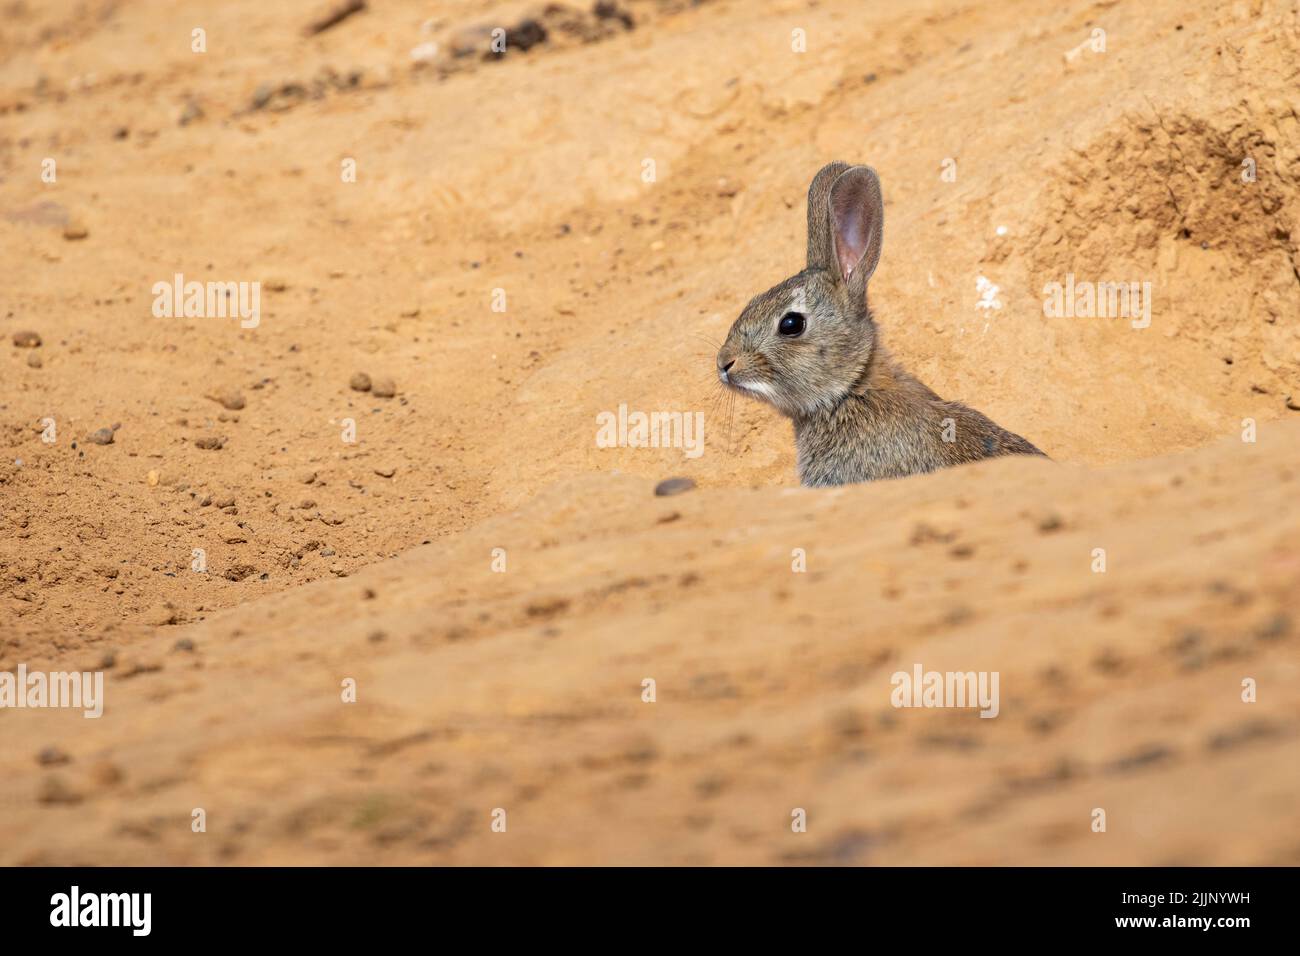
(1011, 150)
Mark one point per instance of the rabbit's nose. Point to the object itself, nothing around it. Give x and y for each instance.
(724, 366)
(727, 367)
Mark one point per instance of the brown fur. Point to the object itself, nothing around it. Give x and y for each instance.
(858, 415)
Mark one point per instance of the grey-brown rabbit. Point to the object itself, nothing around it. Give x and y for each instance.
(810, 347)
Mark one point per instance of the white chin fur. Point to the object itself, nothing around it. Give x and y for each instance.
(768, 394)
(758, 388)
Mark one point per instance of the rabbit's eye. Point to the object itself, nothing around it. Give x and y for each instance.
(791, 324)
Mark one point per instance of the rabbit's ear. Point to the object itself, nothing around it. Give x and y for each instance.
(821, 249)
(856, 219)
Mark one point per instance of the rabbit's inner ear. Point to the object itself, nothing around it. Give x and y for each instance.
(857, 219)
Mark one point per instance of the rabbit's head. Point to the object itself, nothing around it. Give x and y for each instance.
(804, 343)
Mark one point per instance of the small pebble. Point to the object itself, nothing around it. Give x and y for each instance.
(210, 442)
(673, 486)
(52, 757)
(385, 471)
(383, 388)
(74, 231)
(27, 340)
(360, 382)
(103, 436)
(230, 398)
(34, 361)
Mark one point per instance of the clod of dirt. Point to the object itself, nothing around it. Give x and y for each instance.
(75, 230)
(281, 97)
(239, 571)
(609, 10)
(673, 486)
(386, 471)
(383, 388)
(55, 790)
(359, 382)
(334, 17)
(162, 614)
(190, 112)
(103, 436)
(27, 340)
(523, 36)
(1275, 629)
(210, 442)
(107, 774)
(52, 757)
(230, 398)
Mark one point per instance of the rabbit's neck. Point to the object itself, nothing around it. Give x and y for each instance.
(881, 428)
(885, 387)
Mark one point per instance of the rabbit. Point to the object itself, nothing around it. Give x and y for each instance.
(811, 348)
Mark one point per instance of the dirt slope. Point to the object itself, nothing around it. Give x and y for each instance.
(521, 690)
